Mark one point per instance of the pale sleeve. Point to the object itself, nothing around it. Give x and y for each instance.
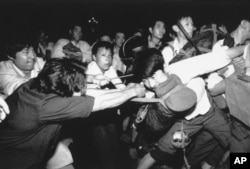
(10, 83)
(86, 52)
(57, 51)
(199, 65)
(168, 55)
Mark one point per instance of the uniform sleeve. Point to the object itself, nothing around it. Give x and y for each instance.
(58, 109)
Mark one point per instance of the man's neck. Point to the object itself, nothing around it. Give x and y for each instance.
(75, 42)
(237, 35)
(153, 41)
(116, 49)
(27, 73)
(182, 41)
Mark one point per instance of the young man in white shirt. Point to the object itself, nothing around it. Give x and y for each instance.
(174, 47)
(100, 72)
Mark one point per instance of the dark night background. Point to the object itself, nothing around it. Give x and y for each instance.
(19, 17)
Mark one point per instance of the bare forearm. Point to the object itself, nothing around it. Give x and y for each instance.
(113, 99)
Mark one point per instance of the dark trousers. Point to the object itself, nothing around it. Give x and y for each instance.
(213, 121)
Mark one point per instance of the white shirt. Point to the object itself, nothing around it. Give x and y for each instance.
(170, 52)
(93, 69)
(203, 104)
(199, 65)
(57, 51)
(11, 77)
(188, 70)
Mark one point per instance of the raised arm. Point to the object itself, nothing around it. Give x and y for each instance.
(205, 63)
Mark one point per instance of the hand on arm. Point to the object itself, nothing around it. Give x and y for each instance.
(116, 98)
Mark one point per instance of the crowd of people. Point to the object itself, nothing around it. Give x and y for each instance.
(128, 101)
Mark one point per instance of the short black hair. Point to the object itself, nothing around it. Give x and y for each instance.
(61, 76)
(102, 44)
(147, 63)
(14, 47)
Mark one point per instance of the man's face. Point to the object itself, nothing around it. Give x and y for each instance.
(158, 77)
(158, 31)
(247, 31)
(103, 58)
(25, 59)
(188, 25)
(76, 33)
(119, 39)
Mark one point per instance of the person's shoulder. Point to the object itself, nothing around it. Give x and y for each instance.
(92, 66)
(84, 43)
(92, 63)
(6, 66)
(62, 41)
(218, 44)
(169, 46)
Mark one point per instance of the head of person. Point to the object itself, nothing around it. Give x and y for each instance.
(157, 29)
(119, 39)
(75, 32)
(244, 28)
(148, 68)
(188, 25)
(103, 55)
(22, 55)
(42, 37)
(61, 76)
(106, 38)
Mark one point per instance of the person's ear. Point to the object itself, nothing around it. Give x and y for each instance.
(175, 28)
(244, 24)
(94, 57)
(10, 58)
(150, 30)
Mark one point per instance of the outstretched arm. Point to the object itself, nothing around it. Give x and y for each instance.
(116, 98)
(205, 63)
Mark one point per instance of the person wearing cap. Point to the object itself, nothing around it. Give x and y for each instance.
(205, 115)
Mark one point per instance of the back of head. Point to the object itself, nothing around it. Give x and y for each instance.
(61, 76)
(147, 63)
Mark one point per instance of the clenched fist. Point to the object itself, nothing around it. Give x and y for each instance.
(139, 90)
